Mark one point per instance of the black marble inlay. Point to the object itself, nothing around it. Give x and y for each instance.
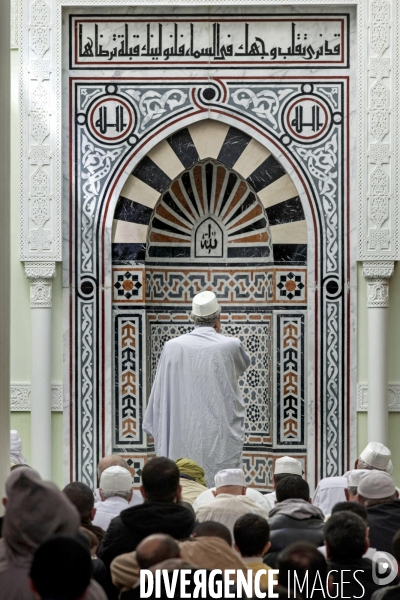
(290, 253)
(148, 172)
(209, 179)
(268, 172)
(122, 253)
(169, 251)
(129, 210)
(285, 212)
(167, 227)
(251, 199)
(232, 179)
(168, 200)
(187, 184)
(249, 252)
(182, 144)
(260, 224)
(234, 145)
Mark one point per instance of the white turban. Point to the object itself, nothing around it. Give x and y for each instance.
(16, 458)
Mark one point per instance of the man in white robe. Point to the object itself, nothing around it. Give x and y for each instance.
(195, 408)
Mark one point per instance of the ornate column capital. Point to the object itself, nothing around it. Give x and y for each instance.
(377, 274)
(40, 275)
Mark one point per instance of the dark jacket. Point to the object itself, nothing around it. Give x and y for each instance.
(134, 524)
(346, 572)
(98, 531)
(383, 523)
(292, 521)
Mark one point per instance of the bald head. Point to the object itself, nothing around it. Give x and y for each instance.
(112, 460)
(155, 549)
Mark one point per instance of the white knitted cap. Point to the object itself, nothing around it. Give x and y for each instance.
(230, 477)
(376, 455)
(205, 304)
(115, 479)
(376, 485)
(353, 477)
(287, 464)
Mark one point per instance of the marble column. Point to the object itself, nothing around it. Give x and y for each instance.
(40, 276)
(4, 244)
(377, 274)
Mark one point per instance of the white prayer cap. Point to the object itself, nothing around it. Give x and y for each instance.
(353, 477)
(389, 468)
(230, 477)
(205, 304)
(16, 458)
(376, 485)
(115, 479)
(376, 455)
(287, 464)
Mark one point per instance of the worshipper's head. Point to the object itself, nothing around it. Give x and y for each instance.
(16, 456)
(212, 529)
(302, 559)
(293, 487)
(206, 310)
(160, 480)
(111, 460)
(155, 549)
(61, 570)
(230, 481)
(375, 456)
(351, 506)
(91, 538)
(345, 537)
(284, 466)
(116, 481)
(353, 477)
(82, 498)
(251, 533)
(376, 487)
(191, 469)
(35, 510)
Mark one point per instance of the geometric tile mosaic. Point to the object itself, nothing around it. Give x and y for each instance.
(255, 384)
(128, 285)
(290, 285)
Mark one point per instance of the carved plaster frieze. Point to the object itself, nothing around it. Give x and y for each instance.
(378, 171)
(40, 275)
(377, 274)
(40, 129)
(20, 397)
(40, 132)
(393, 397)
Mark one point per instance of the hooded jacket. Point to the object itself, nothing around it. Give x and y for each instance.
(36, 510)
(136, 523)
(293, 520)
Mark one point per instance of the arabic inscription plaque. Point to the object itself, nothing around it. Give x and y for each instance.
(128, 42)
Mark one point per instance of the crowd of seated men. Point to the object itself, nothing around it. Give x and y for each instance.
(84, 544)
